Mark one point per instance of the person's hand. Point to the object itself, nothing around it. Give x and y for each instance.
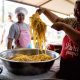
(40, 10)
(50, 47)
(58, 26)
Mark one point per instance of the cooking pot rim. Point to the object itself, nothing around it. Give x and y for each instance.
(57, 56)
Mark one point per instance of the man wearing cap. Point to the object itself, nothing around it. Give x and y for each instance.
(70, 53)
(19, 31)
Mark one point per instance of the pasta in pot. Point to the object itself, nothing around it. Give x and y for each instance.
(23, 57)
(41, 57)
(20, 57)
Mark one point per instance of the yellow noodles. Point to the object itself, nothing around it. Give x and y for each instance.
(39, 57)
(20, 57)
(38, 29)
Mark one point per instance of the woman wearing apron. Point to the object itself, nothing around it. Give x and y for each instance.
(19, 31)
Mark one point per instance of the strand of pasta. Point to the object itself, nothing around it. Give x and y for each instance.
(38, 29)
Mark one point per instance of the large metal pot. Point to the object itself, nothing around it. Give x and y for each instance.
(27, 68)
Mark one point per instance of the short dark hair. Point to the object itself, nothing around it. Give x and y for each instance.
(77, 1)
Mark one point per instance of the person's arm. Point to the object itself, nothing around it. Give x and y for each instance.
(9, 46)
(51, 16)
(2, 36)
(11, 37)
(71, 32)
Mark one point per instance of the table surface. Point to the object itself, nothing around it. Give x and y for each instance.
(48, 75)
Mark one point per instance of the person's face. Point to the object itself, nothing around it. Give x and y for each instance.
(21, 17)
(77, 11)
(9, 17)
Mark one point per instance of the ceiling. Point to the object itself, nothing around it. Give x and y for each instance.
(61, 6)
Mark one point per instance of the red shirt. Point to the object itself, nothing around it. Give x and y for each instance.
(70, 49)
